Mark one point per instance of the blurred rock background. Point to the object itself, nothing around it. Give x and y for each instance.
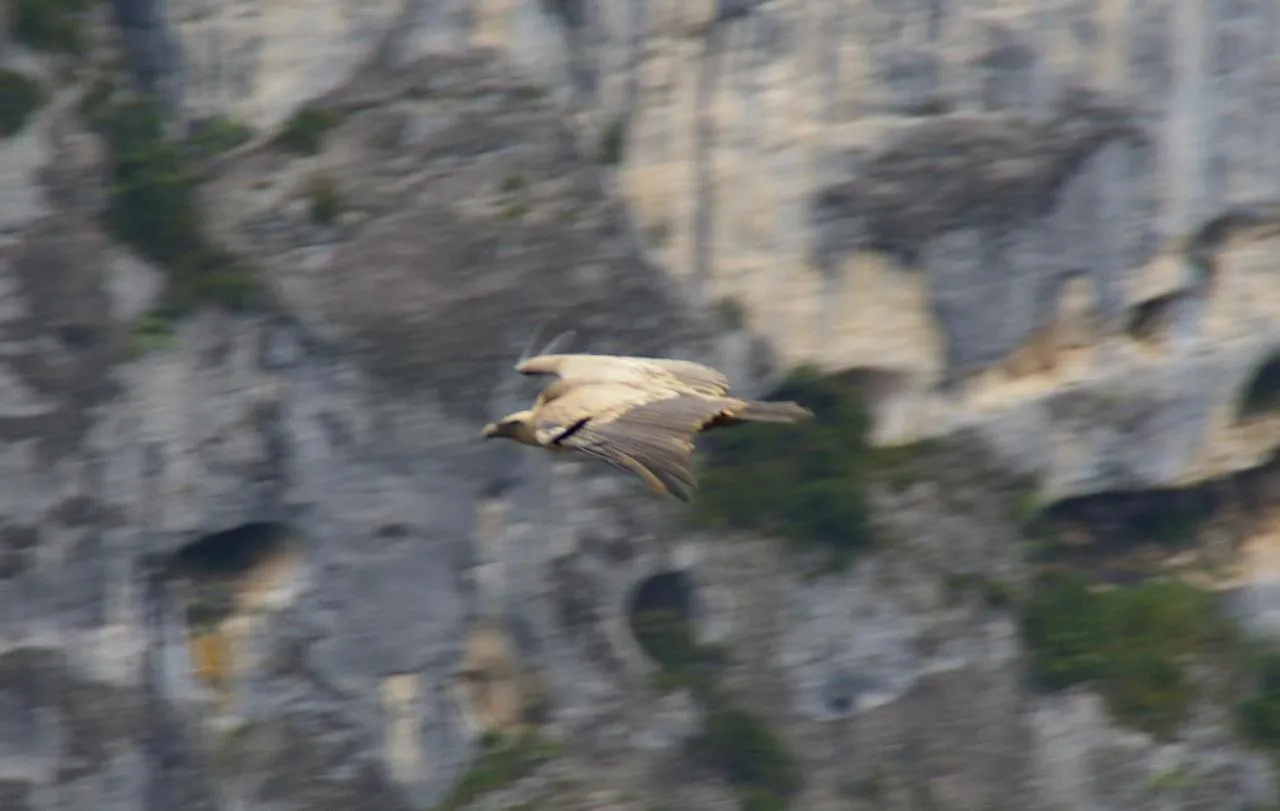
(264, 268)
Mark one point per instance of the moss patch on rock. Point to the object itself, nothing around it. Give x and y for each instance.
(613, 142)
(20, 97)
(501, 762)
(216, 136)
(324, 200)
(732, 313)
(805, 482)
(749, 754)
(305, 130)
(151, 333)
(1258, 716)
(1132, 643)
(734, 743)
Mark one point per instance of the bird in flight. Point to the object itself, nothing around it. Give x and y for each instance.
(640, 415)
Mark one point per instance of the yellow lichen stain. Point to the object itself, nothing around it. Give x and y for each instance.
(1260, 553)
(490, 679)
(1165, 272)
(1078, 327)
(1029, 372)
(212, 662)
(491, 23)
(1037, 356)
(491, 518)
(222, 610)
(399, 694)
(265, 586)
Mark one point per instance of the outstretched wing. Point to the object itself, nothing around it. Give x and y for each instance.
(685, 375)
(646, 432)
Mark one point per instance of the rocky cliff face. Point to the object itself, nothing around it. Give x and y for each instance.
(258, 559)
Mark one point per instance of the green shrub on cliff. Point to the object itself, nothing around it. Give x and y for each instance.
(1259, 715)
(50, 25)
(502, 761)
(733, 742)
(749, 755)
(216, 136)
(153, 207)
(613, 142)
(805, 482)
(1133, 643)
(304, 132)
(325, 201)
(669, 639)
(20, 97)
(151, 333)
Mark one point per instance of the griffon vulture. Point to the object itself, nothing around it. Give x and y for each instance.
(640, 415)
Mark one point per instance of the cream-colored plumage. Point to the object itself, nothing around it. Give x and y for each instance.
(680, 374)
(640, 415)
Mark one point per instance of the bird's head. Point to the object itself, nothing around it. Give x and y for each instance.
(517, 426)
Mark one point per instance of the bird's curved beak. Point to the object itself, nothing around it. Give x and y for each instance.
(490, 430)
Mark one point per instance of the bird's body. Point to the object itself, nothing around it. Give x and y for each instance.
(640, 415)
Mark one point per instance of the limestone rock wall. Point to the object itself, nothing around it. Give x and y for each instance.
(898, 187)
(1040, 226)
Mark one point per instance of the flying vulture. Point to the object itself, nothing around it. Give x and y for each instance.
(640, 415)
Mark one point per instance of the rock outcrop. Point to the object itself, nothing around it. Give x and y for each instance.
(255, 560)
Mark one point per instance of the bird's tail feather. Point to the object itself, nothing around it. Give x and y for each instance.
(757, 411)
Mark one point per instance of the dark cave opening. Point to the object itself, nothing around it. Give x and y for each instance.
(395, 530)
(78, 337)
(661, 615)
(1262, 394)
(666, 591)
(229, 567)
(1164, 516)
(1150, 320)
(840, 692)
(234, 552)
(1127, 536)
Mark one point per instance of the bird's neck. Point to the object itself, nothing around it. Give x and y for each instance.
(524, 434)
